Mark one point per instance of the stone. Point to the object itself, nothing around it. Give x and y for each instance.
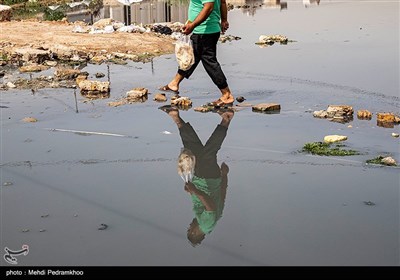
(386, 117)
(320, 114)
(5, 13)
(389, 161)
(50, 63)
(94, 86)
(98, 59)
(336, 113)
(80, 78)
(66, 73)
(160, 97)
(133, 57)
(396, 135)
(202, 109)
(137, 93)
(117, 103)
(33, 68)
(334, 138)
(182, 101)
(364, 114)
(32, 54)
(61, 52)
(340, 110)
(266, 107)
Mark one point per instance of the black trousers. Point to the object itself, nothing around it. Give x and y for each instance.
(205, 50)
(206, 155)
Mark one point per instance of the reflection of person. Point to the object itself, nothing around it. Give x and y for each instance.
(207, 19)
(209, 183)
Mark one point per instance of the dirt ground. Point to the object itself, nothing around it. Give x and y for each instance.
(35, 33)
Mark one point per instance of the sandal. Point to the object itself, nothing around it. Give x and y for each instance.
(219, 103)
(167, 88)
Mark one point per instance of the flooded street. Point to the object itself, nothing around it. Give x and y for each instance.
(282, 206)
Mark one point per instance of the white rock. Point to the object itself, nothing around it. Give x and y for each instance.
(334, 138)
(389, 161)
(395, 134)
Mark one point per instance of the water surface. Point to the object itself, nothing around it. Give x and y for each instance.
(282, 207)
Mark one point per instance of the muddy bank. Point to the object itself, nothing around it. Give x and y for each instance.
(57, 41)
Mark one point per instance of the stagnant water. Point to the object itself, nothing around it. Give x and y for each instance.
(282, 207)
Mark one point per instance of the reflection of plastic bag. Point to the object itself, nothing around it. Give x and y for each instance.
(186, 164)
(184, 52)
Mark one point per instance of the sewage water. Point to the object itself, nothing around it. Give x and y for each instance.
(282, 207)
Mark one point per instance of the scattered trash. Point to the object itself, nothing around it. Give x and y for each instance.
(166, 132)
(25, 230)
(29, 119)
(396, 135)
(271, 39)
(87, 132)
(162, 29)
(102, 227)
(11, 85)
(75, 215)
(79, 29)
(6, 184)
(42, 230)
(369, 203)
(229, 38)
(327, 149)
(44, 216)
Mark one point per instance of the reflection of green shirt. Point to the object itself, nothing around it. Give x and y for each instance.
(212, 23)
(212, 187)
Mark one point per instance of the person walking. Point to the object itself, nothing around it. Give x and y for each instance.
(207, 19)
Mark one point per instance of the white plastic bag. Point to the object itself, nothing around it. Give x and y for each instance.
(184, 52)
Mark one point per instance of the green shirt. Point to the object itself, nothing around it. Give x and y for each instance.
(212, 23)
(207, 219)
